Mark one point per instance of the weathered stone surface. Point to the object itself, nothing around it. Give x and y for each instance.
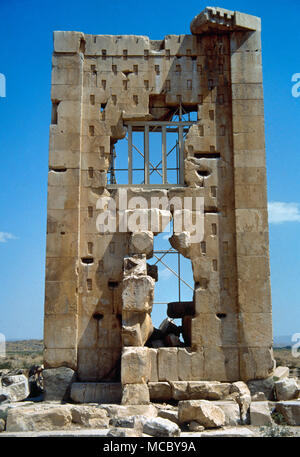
(135, 394)
(135, 365)
(160, 391)
(231, 410)
(202, 411)
(89, 416)
(260, 413)
(161, 427)
(96, 392)
(181, 242)
(167, 364)
(180, 390)
(286, 389)
(14, 388)
(281, 373)
(35, 418)
(142, 243)
(290, 411)
(138, 293)
(208, 390)
(57, 383)
(262, 385)
(242, 395)
(123, 432)
(170, 414)
(122, 411)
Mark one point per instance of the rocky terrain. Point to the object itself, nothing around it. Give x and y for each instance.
(265, 408)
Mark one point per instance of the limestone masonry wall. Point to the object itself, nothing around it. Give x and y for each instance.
(99, 290)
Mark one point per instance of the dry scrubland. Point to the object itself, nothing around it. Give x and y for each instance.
(25, 353)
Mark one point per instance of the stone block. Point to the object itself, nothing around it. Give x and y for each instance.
(135, 394)
(201, 411)
(208, 390)
(231, 411)
(138, 293)
(57, 383)
(67, 41)
(141, 243)
(37, 418)
(159, 426)
(260, 413)
(167, 364)
(96, 392)
(160, 391)
(286, 389)
(290, 411)
(135, 365)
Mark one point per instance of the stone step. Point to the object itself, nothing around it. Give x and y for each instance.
(96, 392)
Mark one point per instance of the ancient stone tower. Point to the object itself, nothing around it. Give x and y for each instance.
(204, 90)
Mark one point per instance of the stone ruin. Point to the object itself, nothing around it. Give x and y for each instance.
(206, 89)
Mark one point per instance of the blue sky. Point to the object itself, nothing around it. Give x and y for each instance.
(25, 60)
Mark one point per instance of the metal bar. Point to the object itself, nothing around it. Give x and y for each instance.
(147, 186)
(129, 154)
(159, 259)
(160, 123)
(153, 167)
(181, 156)
(146, 154)
(163, 154)
(174, 272)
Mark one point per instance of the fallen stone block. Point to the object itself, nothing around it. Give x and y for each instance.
(286, 389)
(231, 410)
(57, 383)
(14, 388)
(123, 432)
(262, 385)
(170, 414)
(135, 394)
(281, 373)
(201, 411)
(161, 427)
(240, 391)
(290, 411)
(260, 413)
(89, 416)
(38, 417)
(125, 411)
